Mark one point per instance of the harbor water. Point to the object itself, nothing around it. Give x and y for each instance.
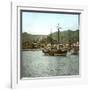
(36, 64)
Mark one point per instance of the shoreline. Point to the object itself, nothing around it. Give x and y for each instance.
(30, 49)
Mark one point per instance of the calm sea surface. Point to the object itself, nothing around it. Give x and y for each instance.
(36, 64)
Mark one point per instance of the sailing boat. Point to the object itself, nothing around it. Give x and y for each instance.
(59, 51)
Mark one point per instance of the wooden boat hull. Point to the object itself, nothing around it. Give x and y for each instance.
(55, 52)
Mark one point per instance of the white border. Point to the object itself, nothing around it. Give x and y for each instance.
(16, 82)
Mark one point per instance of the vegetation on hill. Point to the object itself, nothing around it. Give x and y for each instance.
(29, 40)
(66, 36)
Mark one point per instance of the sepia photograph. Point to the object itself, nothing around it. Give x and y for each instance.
(49, 43)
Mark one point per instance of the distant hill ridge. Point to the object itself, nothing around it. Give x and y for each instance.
(30, 37)
(65, 36)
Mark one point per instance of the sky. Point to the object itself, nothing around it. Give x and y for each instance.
(45, 23)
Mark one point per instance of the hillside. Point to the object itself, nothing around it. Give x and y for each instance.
(29, 37)
(66, 36)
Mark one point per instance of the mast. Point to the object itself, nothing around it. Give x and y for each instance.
(51, 36)
(58, 27)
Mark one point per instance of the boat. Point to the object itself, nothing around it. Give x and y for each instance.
(59, 51)
(75, 51)
(55, 52)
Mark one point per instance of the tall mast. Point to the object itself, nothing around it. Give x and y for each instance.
(58, 27)
(51, 36)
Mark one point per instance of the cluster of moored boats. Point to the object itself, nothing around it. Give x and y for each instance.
(61, 51)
